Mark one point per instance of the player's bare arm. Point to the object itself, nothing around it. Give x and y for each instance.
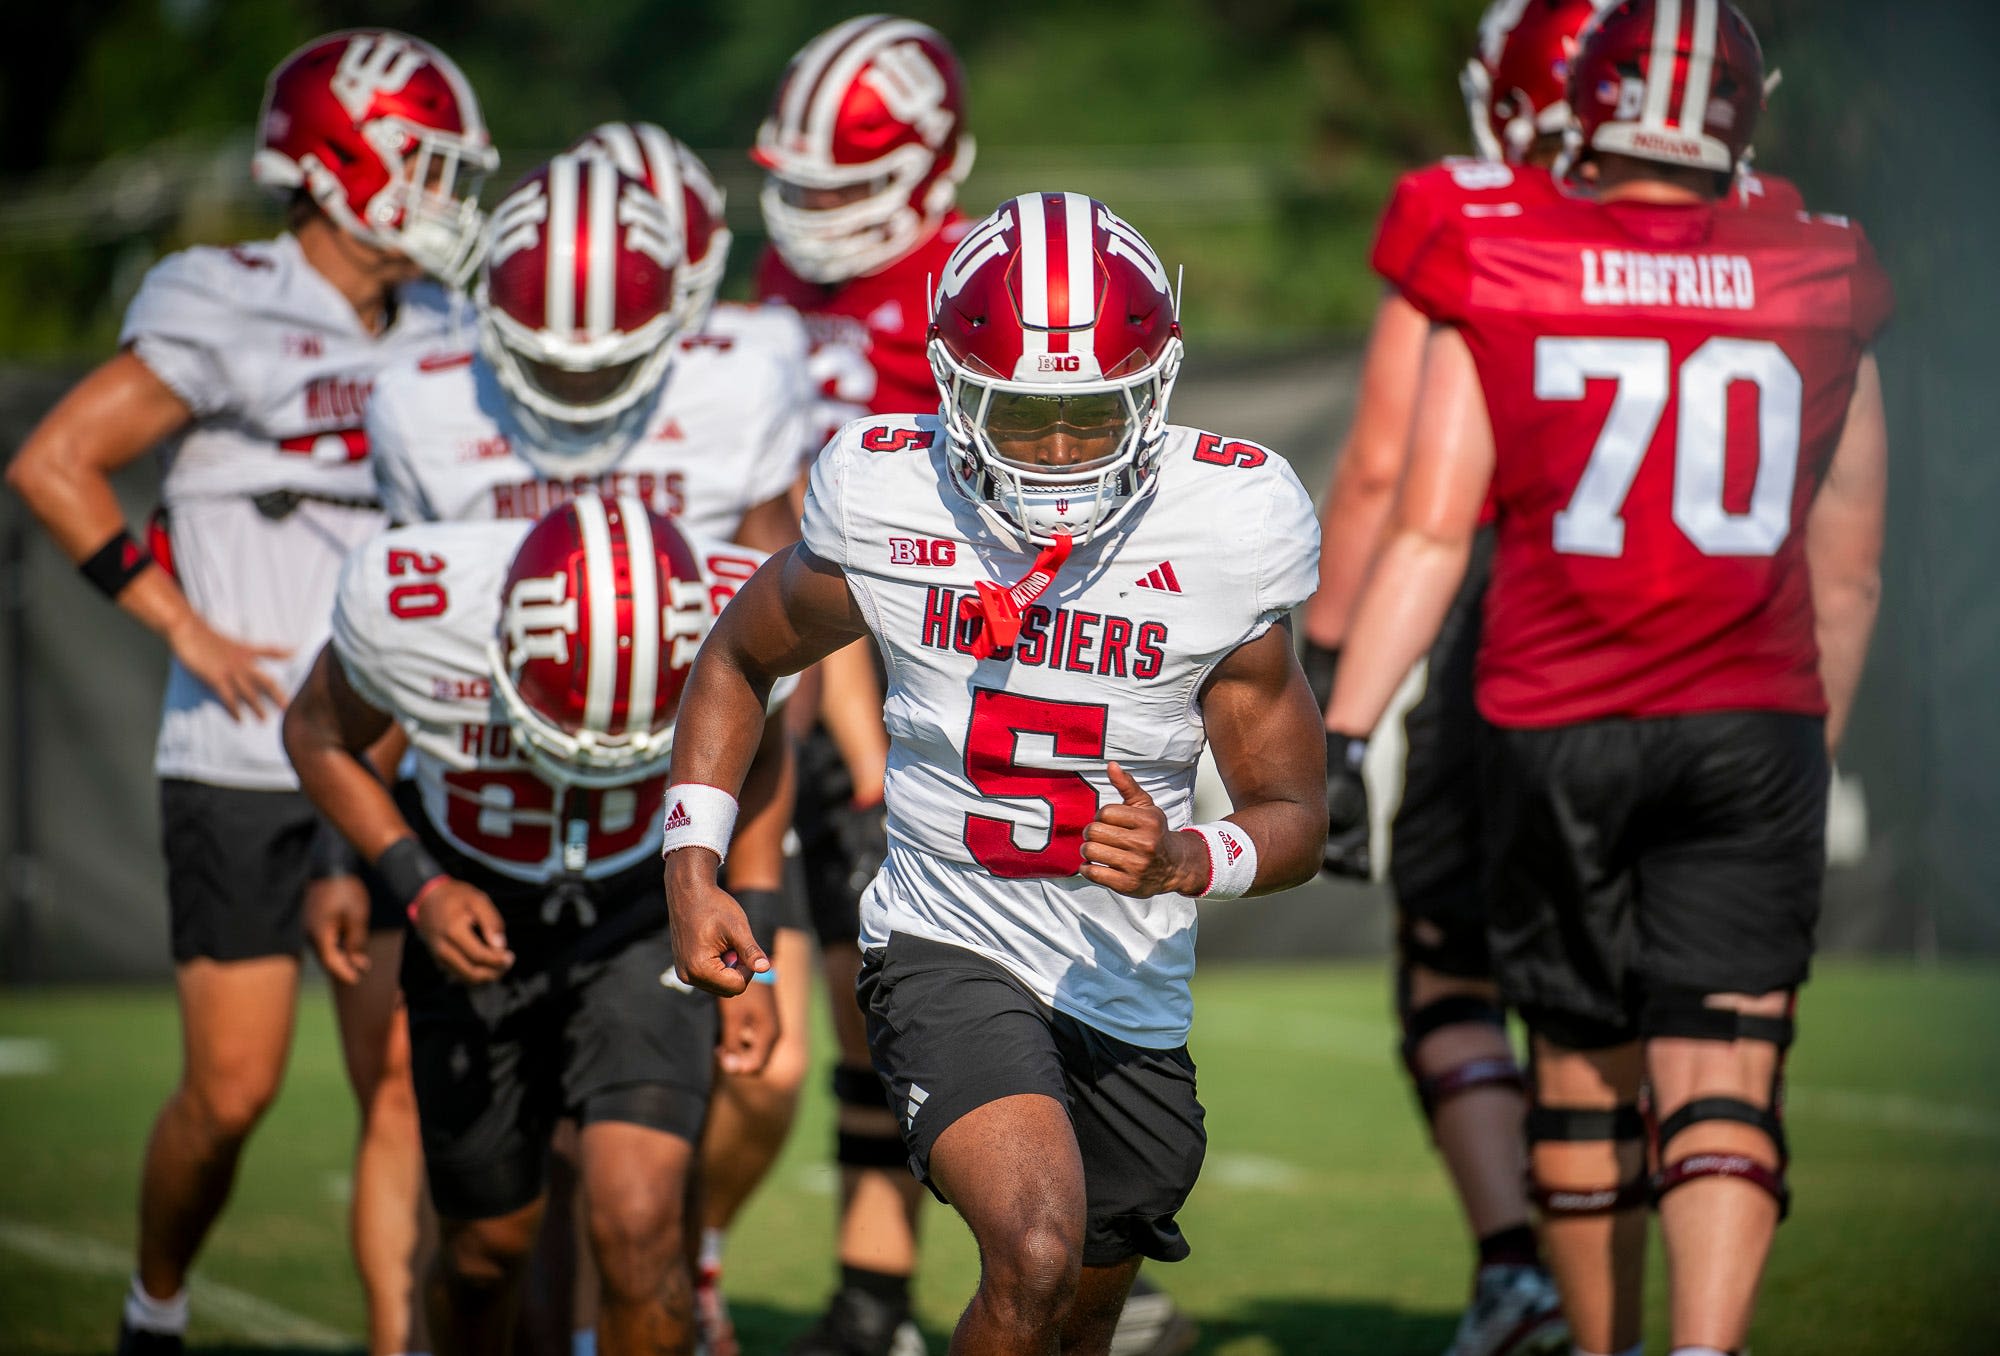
(794, 611)
(1430, 537)
(1844, 547)
(1263, 726)
(63, 471)
(1369, 466)
(770, 526)
(749, 1022)
(329, 728)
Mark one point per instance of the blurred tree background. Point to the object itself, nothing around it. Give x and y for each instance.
(1254, 141)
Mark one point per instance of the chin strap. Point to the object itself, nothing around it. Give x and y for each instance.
(996, 612)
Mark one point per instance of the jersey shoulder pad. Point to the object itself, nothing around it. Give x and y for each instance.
(1457, 188)
(878, 435)
(187, 318)
(864, 465)
(1772, 193)
(1252, 497)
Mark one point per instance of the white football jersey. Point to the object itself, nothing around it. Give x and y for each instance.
(726, 433)
(996, 766)
(269, 486)
(416, 608)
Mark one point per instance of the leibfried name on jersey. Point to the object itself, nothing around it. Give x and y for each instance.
(1718, 282)
(1072, 639)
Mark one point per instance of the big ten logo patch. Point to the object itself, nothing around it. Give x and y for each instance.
(1059, 362)
(922, 551)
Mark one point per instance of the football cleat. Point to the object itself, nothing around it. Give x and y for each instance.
(144, 1342)
(1151, 1324)
(1515, 1311)
(858, 1324)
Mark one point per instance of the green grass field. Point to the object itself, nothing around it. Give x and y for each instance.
(1321, 1225)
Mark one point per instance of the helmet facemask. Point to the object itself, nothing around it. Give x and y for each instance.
(876, 224)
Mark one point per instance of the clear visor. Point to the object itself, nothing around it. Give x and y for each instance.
(1067, 433)
(824, 198)
(583, 388)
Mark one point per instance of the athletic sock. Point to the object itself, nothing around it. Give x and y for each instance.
(885, 1286)
(583, 1342)
(1513, 1247)
(710, 1261)
(144, 1312)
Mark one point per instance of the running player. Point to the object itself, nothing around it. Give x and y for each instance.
(537, 668)
(1674, 411)
(249, 367)
(1037, 898)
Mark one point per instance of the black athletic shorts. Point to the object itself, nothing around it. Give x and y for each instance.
(1628, 855)
(831, 876)
(236, 869)
(590, 1024)
(1434, 862)
(951, 1031)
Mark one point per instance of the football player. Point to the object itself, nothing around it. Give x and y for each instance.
(249, 367)
(1673, 408)
(865, 145)
(1073, 597)
(698, 409)
(537, 668)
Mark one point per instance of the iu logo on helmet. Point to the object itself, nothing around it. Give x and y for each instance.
(374, 63)
(541, 617)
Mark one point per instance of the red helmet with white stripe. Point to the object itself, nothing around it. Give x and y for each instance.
(600, 617)
(577, 307)
(691, 198)
(1055, 347)
(1680, 82)
(866, 145)
(1517, 85)
(384, 133)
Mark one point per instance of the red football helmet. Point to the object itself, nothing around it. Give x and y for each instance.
(685, 188)
(1054, 327)
(600, 617)
(384, 132)
(1677, 81)
(866, 145)
(577, 311)
(1517, 85)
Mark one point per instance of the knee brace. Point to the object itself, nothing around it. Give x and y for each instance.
(1453, 1010)
(1685, 1013)
(857, 1086)
(1572, 1125)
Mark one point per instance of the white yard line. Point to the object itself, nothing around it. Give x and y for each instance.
(242, 1314)
(1893, 1111)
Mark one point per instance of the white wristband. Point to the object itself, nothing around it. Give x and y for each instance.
(698, 816)
(1232, 859)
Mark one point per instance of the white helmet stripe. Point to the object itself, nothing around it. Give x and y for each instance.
(601, 654)
(1701, 68)
(1660, 66)
(643, 554)
(561, 309)
(1077, 226)
(824, 115)
(601, 310)
(1034, 228)
(663, 172)
(811, 73)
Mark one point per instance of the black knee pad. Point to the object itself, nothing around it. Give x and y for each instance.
(1684, 1013)
(1453, 1010)
(1572, 1125)
(857, 1086)
(1572, 1031)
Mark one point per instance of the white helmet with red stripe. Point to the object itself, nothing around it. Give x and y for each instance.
(601, 614)
(1055, 347)
(866, 146)
(577, 309)
(1680, 82)
(691, 197)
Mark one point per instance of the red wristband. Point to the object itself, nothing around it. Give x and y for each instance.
(418, 897)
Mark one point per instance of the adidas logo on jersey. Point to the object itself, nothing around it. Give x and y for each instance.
(678, 817)
(671, 433)
(888, 316)
(1161, 577)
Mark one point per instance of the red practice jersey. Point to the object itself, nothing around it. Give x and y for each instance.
(1666, 386)
(868, 333)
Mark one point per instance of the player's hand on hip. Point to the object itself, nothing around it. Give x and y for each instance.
(462, 928)
(1130, 849)
(749, 1030)
(1346, 850)
(713, 948)
(232, 670)
(336, 919)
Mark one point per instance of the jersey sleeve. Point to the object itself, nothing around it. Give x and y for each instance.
(1414, 247)
(825, 527)
(396, 481)
(786, 440)
(1874, 296)
(178, 325)
(1287, 544)
(360, 625)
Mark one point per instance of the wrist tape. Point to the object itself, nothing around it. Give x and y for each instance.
(406, 871)
(1232, 859)
(698, 816)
